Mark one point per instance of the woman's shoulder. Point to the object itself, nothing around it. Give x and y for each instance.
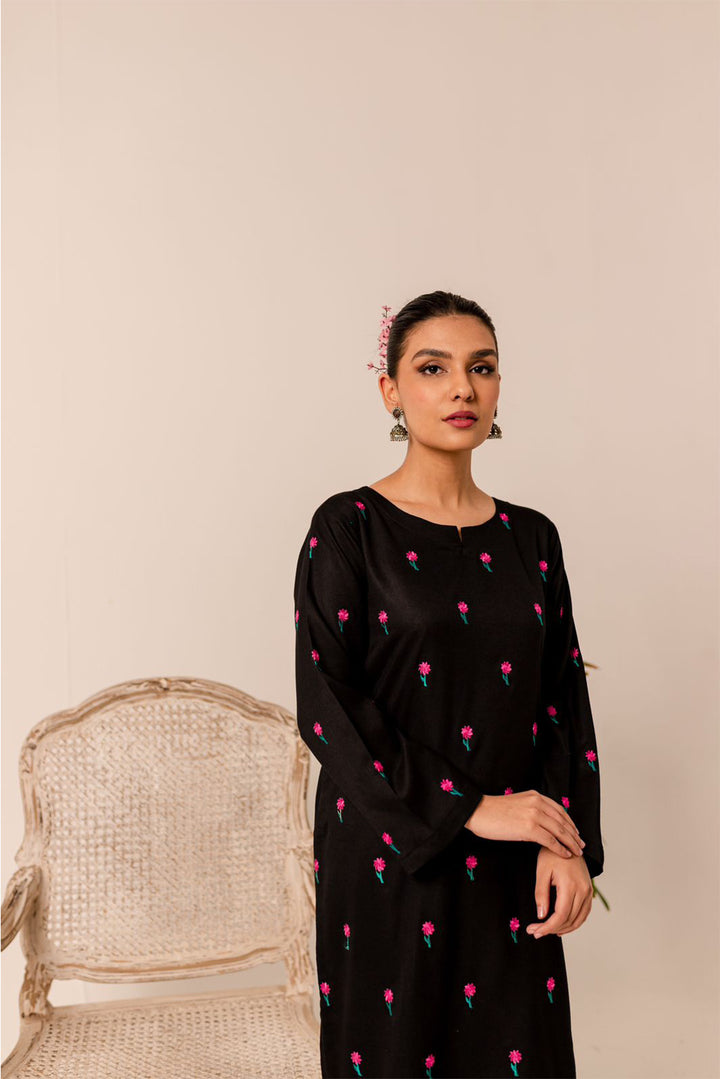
(337, 514)
(528, 518)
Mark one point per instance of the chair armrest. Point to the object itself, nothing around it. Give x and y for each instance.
(20, 895)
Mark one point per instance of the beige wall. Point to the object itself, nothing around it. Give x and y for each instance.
(205, 206)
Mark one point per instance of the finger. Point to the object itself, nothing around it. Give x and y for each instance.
(582, 914)
(560, 812)
(543, 832)
(559, 918)
(566, 834)
(542, 894)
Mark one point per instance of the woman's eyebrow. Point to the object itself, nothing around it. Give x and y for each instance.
(479, 353)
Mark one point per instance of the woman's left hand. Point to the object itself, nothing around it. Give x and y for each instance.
(574, 892)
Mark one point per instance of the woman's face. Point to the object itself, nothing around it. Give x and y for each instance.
(430, 387)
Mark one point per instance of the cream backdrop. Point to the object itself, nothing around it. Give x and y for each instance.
(205, 206)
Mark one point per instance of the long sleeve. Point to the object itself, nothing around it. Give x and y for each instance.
(402, 788)
(569, 750)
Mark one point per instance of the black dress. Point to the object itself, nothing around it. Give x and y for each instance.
(433, 666)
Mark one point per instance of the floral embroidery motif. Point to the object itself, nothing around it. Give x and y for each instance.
(515, 1056)
(447, 785)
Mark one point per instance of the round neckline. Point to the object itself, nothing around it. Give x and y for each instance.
(431, 527)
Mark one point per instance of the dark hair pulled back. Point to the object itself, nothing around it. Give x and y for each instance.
(430, 305)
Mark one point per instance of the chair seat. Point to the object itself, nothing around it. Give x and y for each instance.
(237, 1034)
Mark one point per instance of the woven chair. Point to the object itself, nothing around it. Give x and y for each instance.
(166, 837)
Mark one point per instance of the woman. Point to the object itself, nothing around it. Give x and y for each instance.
(441, 687)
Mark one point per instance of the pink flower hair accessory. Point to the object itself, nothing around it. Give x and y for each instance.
(385, 323)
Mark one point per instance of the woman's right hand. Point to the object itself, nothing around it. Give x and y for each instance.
(526, 815)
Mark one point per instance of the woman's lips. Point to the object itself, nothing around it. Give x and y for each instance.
(461, 421)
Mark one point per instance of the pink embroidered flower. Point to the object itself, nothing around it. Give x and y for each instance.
(313, 544)
(534, 731)
(508, 790)
(514, 926)
(505, 519)
(550, 985)
(361, 507)
(552, 712)
(463, 608)
(575, 653)
(505, 667)
(515, 1057)
(591, 757)
(346, 931)
(538, 612)
(447, 785)
(382, 619)
(325, 990)
(379, 769)
(340, 806)
(315, 656)
(318, 731)
(565, 801)
(297, 618)
(561, 612)
(412, 559)
(387, 838)
(467, 733)
(379, 865)
(429, 1061)
(389, 999)
(428, 929)
(471, 863)
(543, 568)
(356, 1061)
(342, 617)
(486, 559)
(424, 669)
(469, 993)
(316, 865)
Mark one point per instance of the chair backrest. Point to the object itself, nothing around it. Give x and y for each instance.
(169, 822)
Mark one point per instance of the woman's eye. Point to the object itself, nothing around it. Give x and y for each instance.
(434, 366)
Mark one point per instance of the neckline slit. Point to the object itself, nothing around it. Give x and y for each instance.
(459, 533)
